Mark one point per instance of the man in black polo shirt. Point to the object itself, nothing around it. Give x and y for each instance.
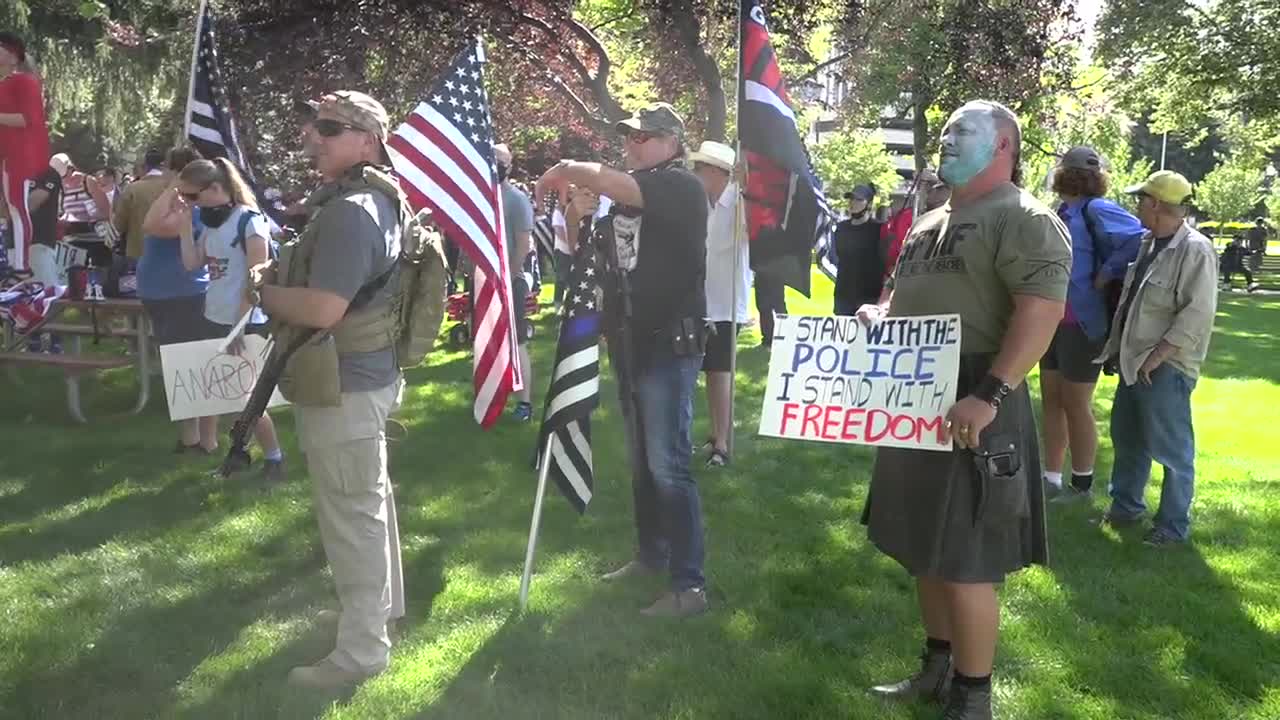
(659, 219)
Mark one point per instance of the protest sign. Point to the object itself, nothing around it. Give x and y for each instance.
(200, 379)
(833, 379)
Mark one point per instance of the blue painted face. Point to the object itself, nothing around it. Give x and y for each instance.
(968, 145)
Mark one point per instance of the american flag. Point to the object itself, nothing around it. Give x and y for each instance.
(575, 383)
(444, 156)
(209, 124)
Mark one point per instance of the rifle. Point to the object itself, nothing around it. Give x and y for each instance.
(238, 458)
(617, 286)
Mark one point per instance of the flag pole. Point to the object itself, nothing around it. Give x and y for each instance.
(738, 211)
(543, 468)
(191, 82)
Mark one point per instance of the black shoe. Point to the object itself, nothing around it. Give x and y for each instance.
(968, 703)
(931, 684)
(1120, 522)
(1160, 538)
(273, 472)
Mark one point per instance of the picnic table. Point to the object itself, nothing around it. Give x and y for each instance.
(111, 318)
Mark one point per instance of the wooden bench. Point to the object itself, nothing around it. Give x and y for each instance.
(72, 367)
(73, 364)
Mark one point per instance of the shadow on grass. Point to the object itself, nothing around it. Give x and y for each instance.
(1244, 341)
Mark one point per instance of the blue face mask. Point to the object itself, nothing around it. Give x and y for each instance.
(971, 152)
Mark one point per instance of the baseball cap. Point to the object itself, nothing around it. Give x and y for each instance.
(61, 163)
(715, 154)
(861, 192)
(1166, 186)
(359, 111)
(1081, 157)
(660, 118)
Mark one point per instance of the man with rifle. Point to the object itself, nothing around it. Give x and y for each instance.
(335, 342)
(655, 249)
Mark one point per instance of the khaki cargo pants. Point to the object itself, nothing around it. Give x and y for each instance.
(346, 449)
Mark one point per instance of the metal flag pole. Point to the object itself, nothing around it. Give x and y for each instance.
(191, 83)
(543, 468)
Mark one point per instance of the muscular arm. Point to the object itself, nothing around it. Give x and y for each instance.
(1034, 321)
(602, 179)
(307, 307)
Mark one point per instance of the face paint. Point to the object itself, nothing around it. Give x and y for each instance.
(968, 145)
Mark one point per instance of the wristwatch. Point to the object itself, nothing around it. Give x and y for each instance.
(992, 390)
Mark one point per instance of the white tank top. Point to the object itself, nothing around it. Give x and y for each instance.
(229, 268)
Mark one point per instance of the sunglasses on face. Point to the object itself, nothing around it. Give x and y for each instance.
(331, 128)
(640, 137)
(192, 196)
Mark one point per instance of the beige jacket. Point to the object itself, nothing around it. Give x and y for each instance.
(1175, 301)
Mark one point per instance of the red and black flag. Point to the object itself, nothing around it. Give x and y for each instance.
(786, 208)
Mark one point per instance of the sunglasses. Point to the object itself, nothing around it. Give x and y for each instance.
(331, 128)
(193, 196)
(639, 137)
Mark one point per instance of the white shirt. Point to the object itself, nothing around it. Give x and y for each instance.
(558, 222)
(229, 269)
(720, 259)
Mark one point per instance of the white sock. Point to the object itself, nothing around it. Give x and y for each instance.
(1054, 479)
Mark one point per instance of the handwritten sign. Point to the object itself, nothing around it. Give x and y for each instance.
(201, 380)
(832, 379)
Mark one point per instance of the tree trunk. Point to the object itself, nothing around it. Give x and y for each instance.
(689, 29)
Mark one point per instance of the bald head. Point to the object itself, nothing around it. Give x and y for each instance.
(981, 141)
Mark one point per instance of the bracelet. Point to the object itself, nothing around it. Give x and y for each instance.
(991, 390)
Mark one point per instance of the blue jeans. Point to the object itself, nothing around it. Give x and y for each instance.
(1153, 422)
(667, 507)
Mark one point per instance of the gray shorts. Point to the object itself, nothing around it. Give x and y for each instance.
(179, 320)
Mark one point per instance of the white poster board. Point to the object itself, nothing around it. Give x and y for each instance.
(832, 379)
(200, 380)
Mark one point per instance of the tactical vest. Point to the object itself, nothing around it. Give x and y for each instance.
(311, 377)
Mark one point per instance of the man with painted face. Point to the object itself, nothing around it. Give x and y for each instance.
(859, 253)
(659, 221)
(959, 521)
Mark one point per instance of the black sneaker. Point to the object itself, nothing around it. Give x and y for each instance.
(1070, 495)
(523, 412)
(1161, 538)
(273, 472)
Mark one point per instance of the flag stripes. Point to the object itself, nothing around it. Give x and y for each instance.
(443, 154)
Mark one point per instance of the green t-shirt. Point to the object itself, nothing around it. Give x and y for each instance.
(972, 260)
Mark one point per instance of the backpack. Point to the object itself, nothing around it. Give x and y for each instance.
(1113, 291)
(242, 227)
(418, 304)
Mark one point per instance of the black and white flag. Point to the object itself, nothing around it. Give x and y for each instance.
(209, 124)
(575, 383)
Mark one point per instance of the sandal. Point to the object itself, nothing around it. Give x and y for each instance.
(717, 458)
(707, 445)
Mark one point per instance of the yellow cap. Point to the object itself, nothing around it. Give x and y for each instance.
(1166, 186)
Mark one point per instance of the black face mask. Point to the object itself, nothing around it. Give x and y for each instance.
(503, 172)
(216, 215)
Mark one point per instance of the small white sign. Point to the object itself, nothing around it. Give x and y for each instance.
(833, 379)
(200, 379)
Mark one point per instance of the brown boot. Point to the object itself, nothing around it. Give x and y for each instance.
(968, 703)
(931, 684)
(678, 604)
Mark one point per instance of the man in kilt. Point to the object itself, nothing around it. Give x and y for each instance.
(960, 521)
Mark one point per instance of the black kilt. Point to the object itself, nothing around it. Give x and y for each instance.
(939, 517)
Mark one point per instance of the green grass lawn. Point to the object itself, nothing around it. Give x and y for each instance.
(134, 585)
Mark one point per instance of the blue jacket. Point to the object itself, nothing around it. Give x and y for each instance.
(1119, 235)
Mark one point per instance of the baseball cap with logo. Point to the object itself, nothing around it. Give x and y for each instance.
(659, 118)
(359, 111)
(1166, 186)
(715, 154)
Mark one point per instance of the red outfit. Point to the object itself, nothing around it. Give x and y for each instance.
(894, 233)
(24, 154)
